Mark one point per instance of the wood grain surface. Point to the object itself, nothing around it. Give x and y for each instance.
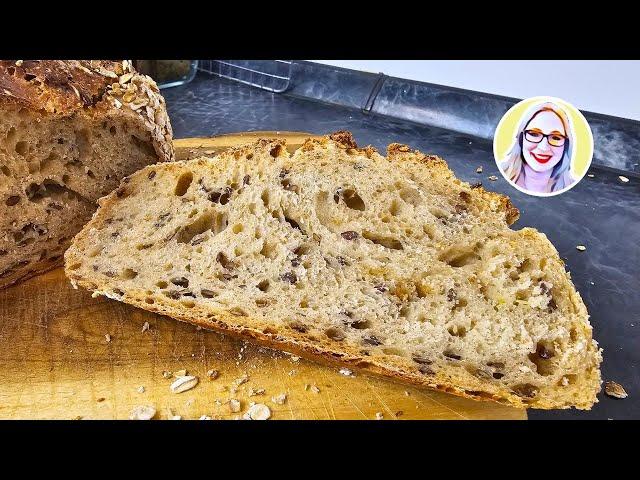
(57, 361)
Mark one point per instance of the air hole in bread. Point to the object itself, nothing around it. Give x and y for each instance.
(287, 185)
(360, 324)
(188, 303)
(460, 303)
(335, 334)
(162, 284)
(129, 274)
(438, 212)
(11, 135)
(304, 303)
(206, 293)
(21, 148)
(352, 200)
(206, 221)
(525, 390)
(4, 169)
(183, 184)
(457, 331)
(149, 300)
(146, 148)
(573, 335)
(458, 257)
(263, 286)
(113, 130)
(293, 223)
(238, 312)
(423, 290)
(74, 266)
(265, 198)
(28, 234)
(237, 228)
(569, 379)
(525, 266)
(411, 196)
(83, 140)
(496, 365)
(269, 250)
(395, 208)
(541, 358)
(386, 242)
(221, 222)
(429, 231)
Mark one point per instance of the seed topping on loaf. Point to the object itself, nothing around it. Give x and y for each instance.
(63, 87)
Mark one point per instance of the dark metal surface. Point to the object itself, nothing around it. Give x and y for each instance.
(616, 140)
(601, 213)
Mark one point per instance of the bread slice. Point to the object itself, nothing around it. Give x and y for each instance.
(69, 132)
(390, 265)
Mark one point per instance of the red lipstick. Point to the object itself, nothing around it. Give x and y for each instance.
(541, 158)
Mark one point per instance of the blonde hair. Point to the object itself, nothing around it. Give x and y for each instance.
(561, 176)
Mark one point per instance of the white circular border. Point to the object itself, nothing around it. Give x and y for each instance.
(543, 194)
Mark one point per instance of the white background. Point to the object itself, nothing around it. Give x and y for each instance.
(611, 87)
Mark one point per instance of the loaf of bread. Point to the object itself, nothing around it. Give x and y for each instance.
(389, 265)
(69, 132)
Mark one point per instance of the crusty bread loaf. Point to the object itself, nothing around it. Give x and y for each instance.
(69, 132)
(391, 265)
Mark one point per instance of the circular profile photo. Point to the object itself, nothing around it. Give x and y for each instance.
(543, 146)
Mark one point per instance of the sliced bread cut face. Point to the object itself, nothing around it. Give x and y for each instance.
(390, 265)
(69, 132)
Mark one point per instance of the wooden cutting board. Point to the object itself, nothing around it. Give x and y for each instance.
(57, 361)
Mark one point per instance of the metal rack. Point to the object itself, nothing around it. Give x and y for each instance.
(271, 75)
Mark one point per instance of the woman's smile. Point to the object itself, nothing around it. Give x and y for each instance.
(541, 158)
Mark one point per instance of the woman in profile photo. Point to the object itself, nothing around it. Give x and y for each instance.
(539, 160)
